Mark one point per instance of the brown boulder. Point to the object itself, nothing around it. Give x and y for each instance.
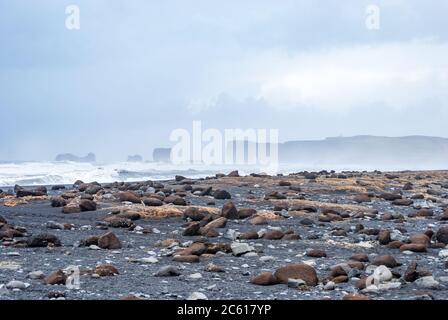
(106, 270)
(384, 237)
(57, 277)
(273, 235)
(109, 241)
(386, 260)
(192, 229)
(229, 211)
(244, 213)
(265, 279)
(258, 220)
(414, 247)
(316, 253)
(186, 258)
(297, 271)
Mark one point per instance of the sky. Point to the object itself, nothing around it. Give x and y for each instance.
(136, 70)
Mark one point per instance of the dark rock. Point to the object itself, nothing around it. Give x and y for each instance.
(176, 200)
(129, 197)
(411, 273)
(167, 271)
(361, 257)
(109, 241)
(390, 196)
(273, 235)
(55, 278)
(442, 235)
(414, 247)
(222, 195)
(229, 211)
(384, 237)
(244, 213)
(251, 235)
(386, 260)
(402, 202)
(316, 253)
(186, 258)
(87, 205)
(43, 240)
(152, 202)
(192, 229)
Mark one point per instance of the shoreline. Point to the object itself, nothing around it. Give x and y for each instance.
(222, 247)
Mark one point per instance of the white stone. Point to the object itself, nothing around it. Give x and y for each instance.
(197, 296)
(14, 284)
(94, 247)
(443, 253)
(267, 258)
(330, 286)
(239, 248)
(149, 260)
(195, 276)
(383, 274)
(427, 282)
(36, 275)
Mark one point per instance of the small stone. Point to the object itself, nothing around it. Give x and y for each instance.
(35, 275)
(106, 270)
(57, 277)
(109, 241)
(427, 283)
(15, 284)
(316, 253)
(386, 260)
(195, 276)
(186, 259)
(197, 296)
(239, 248)
(264, 279)
(167, 271)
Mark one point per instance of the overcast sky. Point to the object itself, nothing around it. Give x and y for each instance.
(138, 69)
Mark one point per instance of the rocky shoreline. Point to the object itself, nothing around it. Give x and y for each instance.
(308, 235)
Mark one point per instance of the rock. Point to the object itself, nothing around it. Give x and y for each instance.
(192, 229)
(251, 235)
(265, 279)
(197, 249)
(106, 270)
(215, 224)
(57, 277)
(240, 248)
(43, 240)
(71, 208)
(15, 284)
(214, 268)
(296, 283)
(382, 274)
(35, 275)
(291, 237)
(229, 211)
(355, 297)
(427, 282)
(57, 202)
(284, 183)
(414, 247)
(167, 271)
(386, 260)
(361, 257)
(176, 200)
(316, 253)
(420, 239)
(273, 235)
(87, 205)
(258, 220)
(360, 198)
(297, 271)
(197, 296)
(234, 174)
(128, 197)
(186, 258)
(442, 235)
(109, 241)
(411, 273)
(443, 253)
(54, 225)
(330, 285)
(152, 202)
(194, 214)
(195, 276)
(424, 213)
(390, 196)
(384, 237)
(395, 245)
(222, 195)
(402, 202)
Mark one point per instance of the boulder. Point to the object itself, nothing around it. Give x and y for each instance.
(297, 271)
(109, 241)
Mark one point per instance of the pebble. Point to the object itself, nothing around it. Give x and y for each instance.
(15, 284)
(35, 275)
(197, 296)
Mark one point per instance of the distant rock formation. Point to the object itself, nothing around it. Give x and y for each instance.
(71, 157)
(136, 158)
(161, 155)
